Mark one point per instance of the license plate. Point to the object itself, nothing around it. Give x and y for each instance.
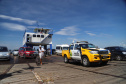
(105, 56)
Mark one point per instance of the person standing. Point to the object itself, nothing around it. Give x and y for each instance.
(49, 51)
(41, 53)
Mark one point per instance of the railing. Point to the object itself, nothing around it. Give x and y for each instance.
(50, 31)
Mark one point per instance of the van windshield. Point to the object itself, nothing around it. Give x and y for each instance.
(65, 48)
(15, 50)
(29, 49)
(58, 48)
(3, 49)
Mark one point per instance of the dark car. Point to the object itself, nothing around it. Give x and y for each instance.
(117, 52)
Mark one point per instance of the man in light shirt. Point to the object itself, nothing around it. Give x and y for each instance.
(41, 53)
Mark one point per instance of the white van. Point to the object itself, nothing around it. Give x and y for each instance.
(59, 48)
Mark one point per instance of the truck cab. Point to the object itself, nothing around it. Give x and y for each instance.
(87, 53)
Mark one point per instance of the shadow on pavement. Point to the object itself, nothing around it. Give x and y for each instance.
(9, 74)
(107, 74)
(78, 63)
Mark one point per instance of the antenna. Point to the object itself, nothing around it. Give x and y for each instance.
(73, 41)
(37, 24)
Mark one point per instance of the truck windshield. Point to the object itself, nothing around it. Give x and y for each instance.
(87, 46)
(3, 49)
(91, 46)
(29, 49)
(122, 49)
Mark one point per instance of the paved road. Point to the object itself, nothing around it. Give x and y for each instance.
(55, 71)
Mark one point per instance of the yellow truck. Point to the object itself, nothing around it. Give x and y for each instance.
(87, 53)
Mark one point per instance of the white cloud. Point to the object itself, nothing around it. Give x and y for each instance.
(91, 34)
(73, 39)
(123, 44)
(98, 35)
(105, 35)
(32, 27)
(13, 27)
(71, 31)
(30, 22)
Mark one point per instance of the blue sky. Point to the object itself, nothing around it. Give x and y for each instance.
(101, 22)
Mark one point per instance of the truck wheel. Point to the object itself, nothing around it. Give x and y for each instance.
(66, 60)
(118, 58)
(85, 61)
(104, 63)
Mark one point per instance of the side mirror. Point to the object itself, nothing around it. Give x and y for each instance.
(78, 47)
(113, 50)
(96, 46)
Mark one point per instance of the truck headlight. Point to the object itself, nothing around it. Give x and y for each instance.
(93, 52)
(108, 51)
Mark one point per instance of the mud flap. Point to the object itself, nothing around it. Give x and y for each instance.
(100, 59)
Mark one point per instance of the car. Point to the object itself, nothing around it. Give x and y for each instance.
(27, 52)
(117, 52)
(4, 53)
(15, 52)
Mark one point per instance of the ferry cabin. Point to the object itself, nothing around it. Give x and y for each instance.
(38, 37)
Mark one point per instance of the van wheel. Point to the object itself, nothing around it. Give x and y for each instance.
(66, 60)
(85, 61)
(118, 58)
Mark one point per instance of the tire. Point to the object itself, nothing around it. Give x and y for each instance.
(118, 58)
(37, 60)
(66, 60)
(85, 61)
(104, 63)
(34, 57)
(24, 56)
(18, 55)
(8, 59)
